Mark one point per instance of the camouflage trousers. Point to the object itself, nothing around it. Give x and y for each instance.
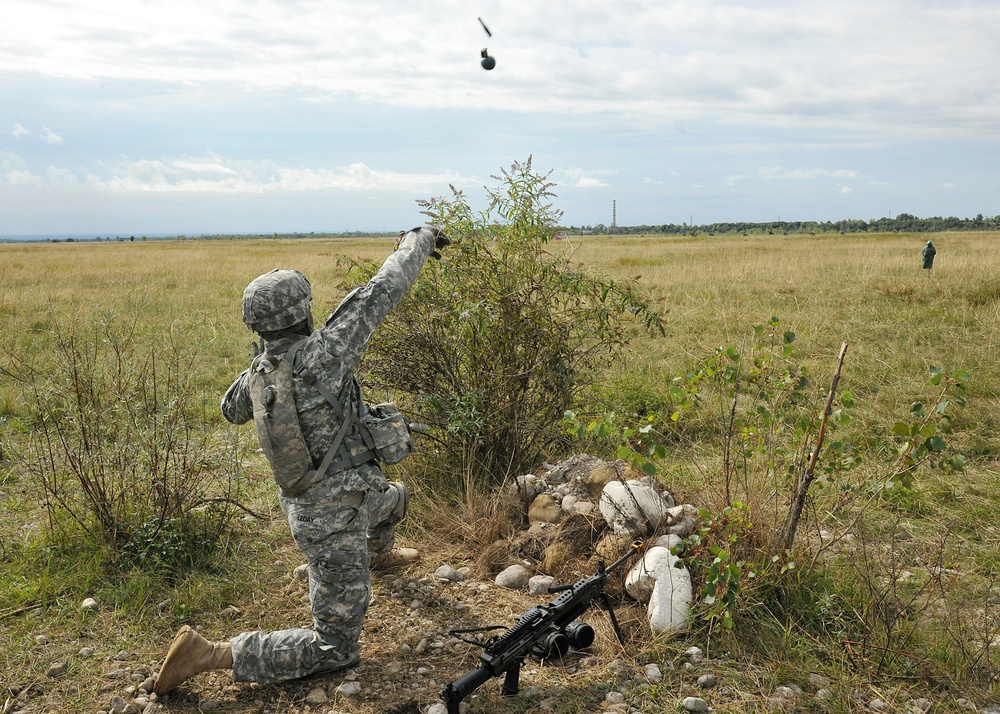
(337, 532)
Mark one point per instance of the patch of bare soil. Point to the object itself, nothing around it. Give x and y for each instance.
(409, 655)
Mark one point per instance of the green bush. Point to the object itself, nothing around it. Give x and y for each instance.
(500, 337)
(119, 450)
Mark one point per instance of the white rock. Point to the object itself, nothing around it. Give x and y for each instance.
(694, 704)
(685, 510)
(670, 604)
(316, 695)
(446, 572)
(515, 577)
(89, 605)
(632, 507)
(349, 689)
(539, 584)
(666, 588)
(568, 501)
(653, 673)
(525, 487)
(583, 507)
(668, 541)
(301, 573)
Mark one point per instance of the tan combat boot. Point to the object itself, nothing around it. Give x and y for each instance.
(395, 558)
(191, 654)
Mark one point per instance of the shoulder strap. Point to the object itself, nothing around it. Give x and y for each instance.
(346, 415)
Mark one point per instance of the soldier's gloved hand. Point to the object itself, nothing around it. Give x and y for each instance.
(440, 240)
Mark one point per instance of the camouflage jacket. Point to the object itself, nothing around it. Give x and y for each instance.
(333, 351)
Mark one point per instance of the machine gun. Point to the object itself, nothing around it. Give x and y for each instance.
(544, 631)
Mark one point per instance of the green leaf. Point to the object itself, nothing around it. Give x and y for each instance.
(901, 429)
(789, 337)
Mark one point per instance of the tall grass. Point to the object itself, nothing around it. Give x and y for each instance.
(867, 290)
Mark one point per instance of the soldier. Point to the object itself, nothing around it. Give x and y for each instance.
(928, 254)
(341, 510)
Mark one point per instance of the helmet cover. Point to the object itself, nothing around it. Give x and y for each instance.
(276, 300)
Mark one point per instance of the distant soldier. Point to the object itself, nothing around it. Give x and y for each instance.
(311, 422)
(928, 254)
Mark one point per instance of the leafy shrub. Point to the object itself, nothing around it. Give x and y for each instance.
(500, 337)
(118, 451)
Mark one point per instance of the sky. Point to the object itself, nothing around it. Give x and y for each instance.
(259, 116)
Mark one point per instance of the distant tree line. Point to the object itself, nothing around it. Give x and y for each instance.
(903, 223)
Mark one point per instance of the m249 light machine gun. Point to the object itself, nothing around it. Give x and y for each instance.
(544, 631)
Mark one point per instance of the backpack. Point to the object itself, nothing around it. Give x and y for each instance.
(384, 433)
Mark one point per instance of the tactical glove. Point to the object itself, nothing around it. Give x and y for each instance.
(440, 241)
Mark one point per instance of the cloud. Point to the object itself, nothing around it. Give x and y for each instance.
(50, 137)
(47, 135)
(652, 181)
(10, 162)
(673, 64)
(776, 173)
(584, 178)
(212, 173)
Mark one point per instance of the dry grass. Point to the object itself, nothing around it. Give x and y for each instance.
(866, 290)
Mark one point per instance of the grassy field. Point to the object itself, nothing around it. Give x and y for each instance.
(865, 290)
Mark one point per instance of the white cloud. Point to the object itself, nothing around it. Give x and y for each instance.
(652, 181)
(776, 173)
(584, 178)
(675, 63)
(22, 178)
(18, 131)
(50, 137)
(60, 177)
(10, 162)
(214, 173)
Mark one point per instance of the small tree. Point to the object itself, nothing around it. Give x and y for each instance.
(499, 337)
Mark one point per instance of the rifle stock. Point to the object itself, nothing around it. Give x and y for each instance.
(544, 631)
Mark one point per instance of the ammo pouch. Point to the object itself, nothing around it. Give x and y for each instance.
(387, 433)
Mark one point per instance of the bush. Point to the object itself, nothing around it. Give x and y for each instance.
(500, 337)
(118, 451)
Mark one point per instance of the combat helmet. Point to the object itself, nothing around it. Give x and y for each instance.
(276, 301)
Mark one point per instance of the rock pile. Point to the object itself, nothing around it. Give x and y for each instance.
(586, 506)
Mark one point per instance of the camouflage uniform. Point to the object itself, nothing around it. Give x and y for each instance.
(339, 521)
